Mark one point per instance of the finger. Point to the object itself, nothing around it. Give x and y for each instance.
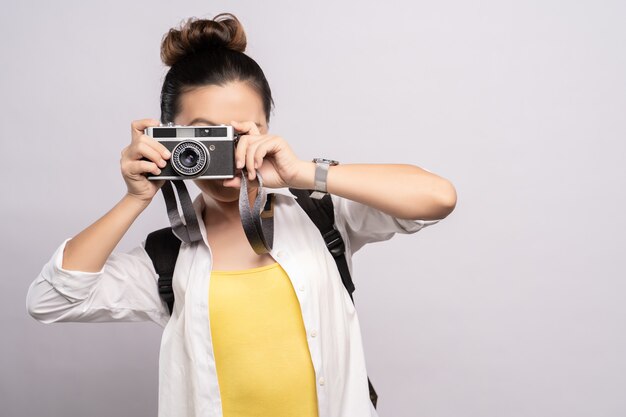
(143, 150)
(137, 126)
(155, 144)
(250, 152)
(240, 151)
(263, 148)
(257, 152)
(248, 127)
(134, 168)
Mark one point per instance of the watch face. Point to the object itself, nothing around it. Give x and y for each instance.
(326, 161)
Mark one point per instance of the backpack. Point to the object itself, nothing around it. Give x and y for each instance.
(163, 246)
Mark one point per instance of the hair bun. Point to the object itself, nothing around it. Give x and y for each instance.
(224, 31)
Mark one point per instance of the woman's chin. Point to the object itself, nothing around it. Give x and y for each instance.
(217, 191)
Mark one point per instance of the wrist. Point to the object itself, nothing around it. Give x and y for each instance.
(135, 201)
(305, 177)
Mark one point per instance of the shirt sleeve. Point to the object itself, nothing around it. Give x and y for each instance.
(363, 224)
(125, 289)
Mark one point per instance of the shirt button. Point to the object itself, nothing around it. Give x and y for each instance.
(322, 380)
(301, 288)
(313, 333)
(280, 254)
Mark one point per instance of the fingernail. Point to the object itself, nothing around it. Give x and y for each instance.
(167, 154)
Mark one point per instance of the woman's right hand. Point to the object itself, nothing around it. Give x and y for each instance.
(134, 169)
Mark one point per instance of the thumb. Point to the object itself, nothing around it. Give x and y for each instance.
(246, 127)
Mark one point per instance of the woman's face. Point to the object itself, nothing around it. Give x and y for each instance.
(214, 105)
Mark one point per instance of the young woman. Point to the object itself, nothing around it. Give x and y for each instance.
(250, 335)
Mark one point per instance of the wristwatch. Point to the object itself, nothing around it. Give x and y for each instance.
(321, 173)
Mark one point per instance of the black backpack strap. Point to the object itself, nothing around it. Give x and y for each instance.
(322, 214)
(163, 246)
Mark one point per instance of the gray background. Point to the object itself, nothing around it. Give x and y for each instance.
(511, 306)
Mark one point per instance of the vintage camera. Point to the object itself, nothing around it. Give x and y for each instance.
(198, 152)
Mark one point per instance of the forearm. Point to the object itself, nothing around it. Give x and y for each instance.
(401, 190)
(89, 250)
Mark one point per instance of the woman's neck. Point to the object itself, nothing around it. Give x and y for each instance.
(224, 212)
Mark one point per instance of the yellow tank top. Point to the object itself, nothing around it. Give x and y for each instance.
(263, 362)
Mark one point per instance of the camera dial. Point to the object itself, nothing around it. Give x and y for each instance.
(189, 158)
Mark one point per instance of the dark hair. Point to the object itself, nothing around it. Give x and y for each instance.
(208, 52)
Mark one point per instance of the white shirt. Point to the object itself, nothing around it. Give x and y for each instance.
(125, 289)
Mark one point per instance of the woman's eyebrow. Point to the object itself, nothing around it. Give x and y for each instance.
(208, 122)
(201, 120)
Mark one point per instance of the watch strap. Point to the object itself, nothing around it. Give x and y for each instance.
(321, 175)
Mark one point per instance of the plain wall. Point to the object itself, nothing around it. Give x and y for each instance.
(511, 306)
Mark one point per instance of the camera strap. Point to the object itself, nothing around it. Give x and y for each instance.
(189, 231)
(258, 222)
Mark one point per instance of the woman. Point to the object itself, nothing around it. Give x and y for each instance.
(278, 331)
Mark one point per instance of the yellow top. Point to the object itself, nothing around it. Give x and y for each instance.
(263, 363)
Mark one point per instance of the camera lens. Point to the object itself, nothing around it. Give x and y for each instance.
(189, 158)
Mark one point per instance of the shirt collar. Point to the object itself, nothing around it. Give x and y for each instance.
(198, 205)
(198, 201)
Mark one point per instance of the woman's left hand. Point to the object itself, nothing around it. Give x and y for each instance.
(270, 155)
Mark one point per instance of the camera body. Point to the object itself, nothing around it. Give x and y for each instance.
(198, 152)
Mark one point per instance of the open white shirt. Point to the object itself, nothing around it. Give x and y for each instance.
(126, 290)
